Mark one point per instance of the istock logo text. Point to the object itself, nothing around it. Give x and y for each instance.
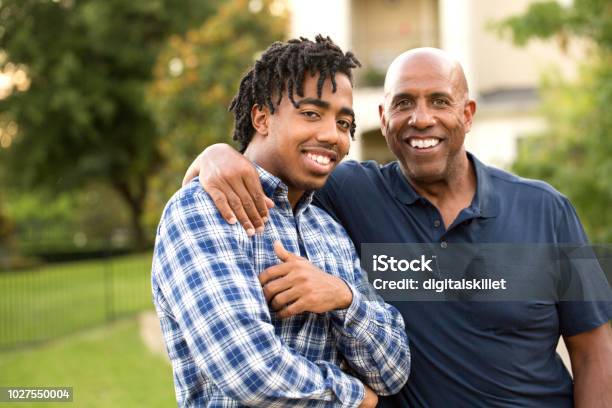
(383, 263)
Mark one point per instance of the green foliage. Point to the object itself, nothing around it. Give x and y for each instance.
(541, 21)
(372, 77)
(91, 218)
(196, 77)
(575, 153)
(587, 19)
(83, 117)
(6, 228)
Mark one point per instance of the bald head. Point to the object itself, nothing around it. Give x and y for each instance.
(431, 60)
(425, 116)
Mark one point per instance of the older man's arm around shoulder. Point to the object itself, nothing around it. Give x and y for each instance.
(591, 357)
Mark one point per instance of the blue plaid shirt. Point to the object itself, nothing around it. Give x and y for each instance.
(228, 349)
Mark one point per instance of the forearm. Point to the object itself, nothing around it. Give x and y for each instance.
(273, 375)
(592, 382)
(592, 369)
(291, 381)
(235, 346)
(372, 338)
(592, 388)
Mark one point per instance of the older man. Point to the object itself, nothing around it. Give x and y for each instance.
(476, 354)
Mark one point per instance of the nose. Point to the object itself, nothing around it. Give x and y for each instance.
(421, 117)
(329, 132)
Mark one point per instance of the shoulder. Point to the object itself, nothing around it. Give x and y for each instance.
(355, 169)
(355, 187)
(325, 221)
(331, 228)
(191, 211)
(363, 166)
(348, 179)
(530, 189)
(192, 233)
(354, 174)
(188, 197)
(347, 171)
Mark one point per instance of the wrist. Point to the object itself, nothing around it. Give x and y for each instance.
(345, 298)
(215, 148)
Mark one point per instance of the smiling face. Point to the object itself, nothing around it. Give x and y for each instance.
(303, 145)
(426, 115)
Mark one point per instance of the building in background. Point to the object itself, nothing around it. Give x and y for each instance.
(502, 78)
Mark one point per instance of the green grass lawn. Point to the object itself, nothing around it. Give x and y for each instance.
(107, 367)
(55, 300)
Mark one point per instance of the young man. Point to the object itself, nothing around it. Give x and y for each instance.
(476, 354)
(246, 320)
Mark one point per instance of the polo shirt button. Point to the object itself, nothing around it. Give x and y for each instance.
(443, 244)
(436, 223)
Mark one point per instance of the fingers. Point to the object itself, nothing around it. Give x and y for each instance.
(220, 200)
(250, 207)
(235, 204)
(261, 202)
(275, 287)
(245, 208)
(233, 183)
(283, 299)
(292, 309)
(282, 253)
(274, 272)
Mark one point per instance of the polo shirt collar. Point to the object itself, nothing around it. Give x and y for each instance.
(486, 198)
(401, 187)
(485, 203)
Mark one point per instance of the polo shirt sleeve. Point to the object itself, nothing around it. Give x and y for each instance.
(577, 316)
(205, 273)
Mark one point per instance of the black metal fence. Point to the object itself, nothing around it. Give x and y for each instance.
(44, 302)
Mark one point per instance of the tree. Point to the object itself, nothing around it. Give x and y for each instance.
(80, 109)
(6, 228)
(197, 75)
(575, 153)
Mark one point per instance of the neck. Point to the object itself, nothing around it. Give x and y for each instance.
(258, 156)
(294, 197)
(452, 193)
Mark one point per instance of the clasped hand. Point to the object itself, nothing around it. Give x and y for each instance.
(295, 286)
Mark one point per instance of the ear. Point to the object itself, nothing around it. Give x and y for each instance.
(260, 119)
(383, 119)
(468, 114)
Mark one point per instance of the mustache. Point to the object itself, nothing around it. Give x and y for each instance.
(322, 146)
(410, 131)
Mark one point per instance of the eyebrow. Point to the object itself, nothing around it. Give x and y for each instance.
(402, 95)
(441, 94)
(313, 101)
(324, 105)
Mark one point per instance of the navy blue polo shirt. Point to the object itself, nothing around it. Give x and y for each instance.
(471, 354)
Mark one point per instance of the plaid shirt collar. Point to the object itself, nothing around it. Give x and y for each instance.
(278, 191)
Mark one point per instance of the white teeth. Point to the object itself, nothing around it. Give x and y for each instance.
(324, 160)
(424, 143)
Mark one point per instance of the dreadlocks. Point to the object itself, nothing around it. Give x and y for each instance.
(283, 66)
